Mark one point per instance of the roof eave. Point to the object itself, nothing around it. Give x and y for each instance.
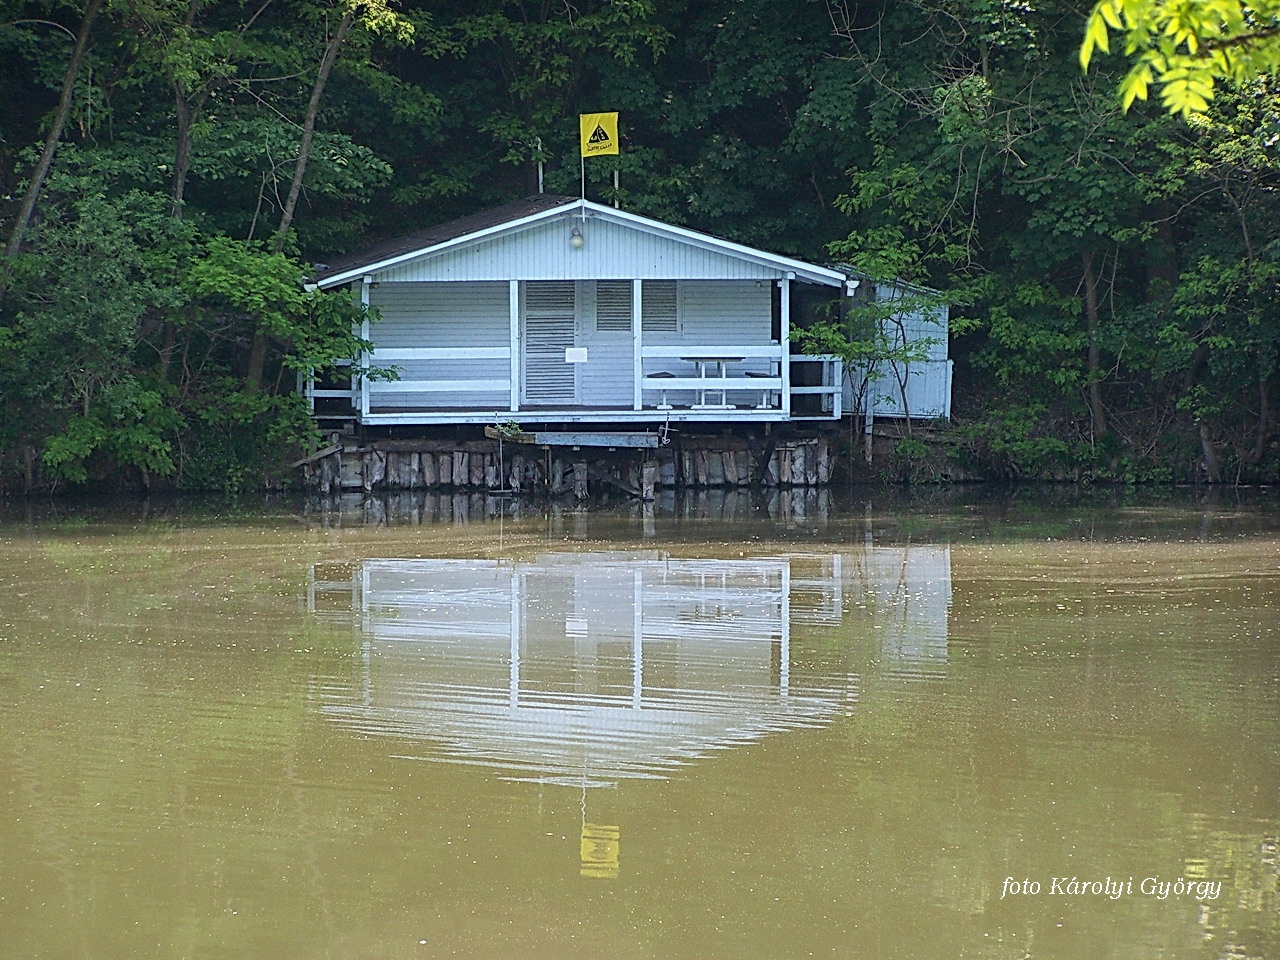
(511, 226)
(786, 266)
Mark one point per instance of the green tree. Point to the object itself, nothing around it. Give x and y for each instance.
(1186, 47)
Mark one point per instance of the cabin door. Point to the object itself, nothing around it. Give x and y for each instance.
(550, 328)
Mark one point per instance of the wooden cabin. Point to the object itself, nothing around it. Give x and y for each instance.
(559, 310)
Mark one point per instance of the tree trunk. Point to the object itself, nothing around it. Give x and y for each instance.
(258, 352)
(1263, 432)
(1162, 256)
(184, 116)
(309, 127)
(1097, 412)
(41, 171)
(1212, 471)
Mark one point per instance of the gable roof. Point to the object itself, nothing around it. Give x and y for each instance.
(536, 209)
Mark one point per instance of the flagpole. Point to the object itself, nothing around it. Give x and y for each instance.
(583, 161)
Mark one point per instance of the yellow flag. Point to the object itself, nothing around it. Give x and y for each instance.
(599, 133)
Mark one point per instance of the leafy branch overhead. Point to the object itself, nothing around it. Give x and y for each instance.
(1186, 47)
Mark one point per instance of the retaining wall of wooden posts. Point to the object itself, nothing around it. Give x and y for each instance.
(491, 465)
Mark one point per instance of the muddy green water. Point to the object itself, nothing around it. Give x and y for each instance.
(717, 729)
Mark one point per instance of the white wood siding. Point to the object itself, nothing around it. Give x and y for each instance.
(920, 324)
(610, 251)
(442, 316)
(605, 378)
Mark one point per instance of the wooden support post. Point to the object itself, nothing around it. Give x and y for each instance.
(375, 469)
(784, 368)
(329, 469)
(824, 461)
(513, 341)
(637, 343)
(729, 460)
(715, 468)
(648, 480)
(580, 479)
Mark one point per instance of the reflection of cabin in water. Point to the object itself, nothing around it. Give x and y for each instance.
(588, 668)
(561, 311)
(579, 668)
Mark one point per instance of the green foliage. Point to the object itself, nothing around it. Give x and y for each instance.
(914, 460)
(265, 289)
(1104, 265)
(1186, 46)
(239, 441)
(1019, 443)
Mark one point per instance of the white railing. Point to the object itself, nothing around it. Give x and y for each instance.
(708, 372)
(379, 392)
(831, 389)
(691, 376)
(307, 387)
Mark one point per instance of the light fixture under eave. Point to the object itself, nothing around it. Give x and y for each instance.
(576, 239)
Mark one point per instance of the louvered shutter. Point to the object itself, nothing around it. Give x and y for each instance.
(613, 306)
(658, 308)
(549, 329)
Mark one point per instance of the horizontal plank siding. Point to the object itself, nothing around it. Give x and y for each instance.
(610, 251)
(441, 332)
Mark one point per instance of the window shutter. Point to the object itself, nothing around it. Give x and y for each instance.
(613, 305)
(549, 330)
(658, 310)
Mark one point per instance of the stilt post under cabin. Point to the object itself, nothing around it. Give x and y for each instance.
(648, 479)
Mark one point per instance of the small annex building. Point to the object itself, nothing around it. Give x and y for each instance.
(559, 310)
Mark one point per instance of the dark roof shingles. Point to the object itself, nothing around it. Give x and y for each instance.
(422, 239)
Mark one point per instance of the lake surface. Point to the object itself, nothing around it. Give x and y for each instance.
(714, 728)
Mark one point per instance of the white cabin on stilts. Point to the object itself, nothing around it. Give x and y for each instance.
(557, 310)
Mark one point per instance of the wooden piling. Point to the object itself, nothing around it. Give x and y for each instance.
(648, 480)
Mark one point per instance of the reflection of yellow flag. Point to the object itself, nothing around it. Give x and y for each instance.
(599, 851)
(599, 133)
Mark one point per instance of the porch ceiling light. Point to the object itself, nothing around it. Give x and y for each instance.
(576, 239)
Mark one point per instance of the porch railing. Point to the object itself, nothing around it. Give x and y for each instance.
(831, 386)
(690, 376)
(381, 392)
(709, 372)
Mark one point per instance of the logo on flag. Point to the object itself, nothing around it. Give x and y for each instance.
(599, 132)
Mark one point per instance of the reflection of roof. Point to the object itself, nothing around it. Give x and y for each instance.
(579, 739)
(578, 667)
(590, 668)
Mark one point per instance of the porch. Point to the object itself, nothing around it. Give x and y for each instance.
(683, 383)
